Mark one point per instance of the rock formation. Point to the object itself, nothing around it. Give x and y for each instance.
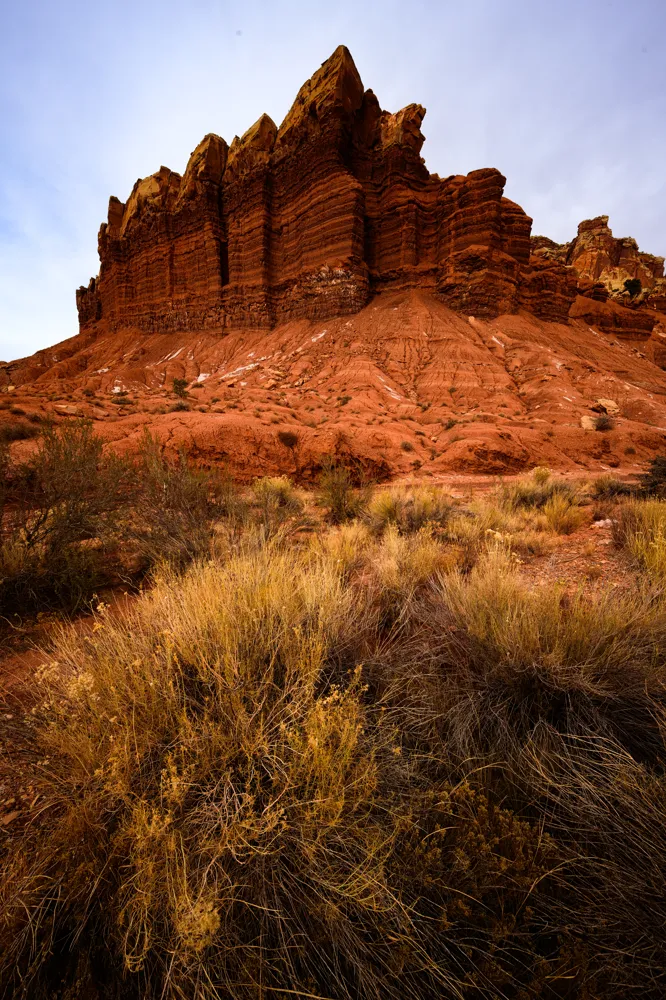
(309, 220)
(604, 263)
(316, 279)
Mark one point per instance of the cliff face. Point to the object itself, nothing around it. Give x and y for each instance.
(603, 263)
(308, 220)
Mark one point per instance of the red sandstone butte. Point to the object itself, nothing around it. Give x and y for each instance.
(310, 220)
(317, 277)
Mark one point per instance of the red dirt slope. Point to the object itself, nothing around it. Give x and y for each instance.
(403, 385)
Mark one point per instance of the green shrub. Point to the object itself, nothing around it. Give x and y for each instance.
(179, 386)
(653, 482)
(604, 423)
(61, 519)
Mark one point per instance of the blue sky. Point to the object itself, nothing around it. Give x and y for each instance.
(566, 97)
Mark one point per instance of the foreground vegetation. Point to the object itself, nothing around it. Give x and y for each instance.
(346, 751)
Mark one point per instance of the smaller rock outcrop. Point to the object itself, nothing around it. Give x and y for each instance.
(605, 263)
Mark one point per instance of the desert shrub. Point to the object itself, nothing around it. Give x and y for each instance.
(179, 407)
(338, 493)
(203, 787)
(609, 487)
(408, 509)
(633, 286)
(346, 544)
(20, 430)
(535, 490)
(288, 438)
(227, 804)
(6, 468)
(179, 386)
(407, 446)
(563, 516)
(74, 518)
(640, 527)
(653, 482)
(524, 531)
(61, 517)
(276, 500)
(559, 699)
(175, 505)
(604, 422)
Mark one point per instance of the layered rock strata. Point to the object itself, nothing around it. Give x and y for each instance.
(308, 220)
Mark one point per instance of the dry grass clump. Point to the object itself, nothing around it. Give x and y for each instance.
(276, 500)
(535, 490)
(484, 523)
(557, 499)
(610, 487)
(566, 698)
(346, 545)
(217, 818)
(558, 702)
(640, 527)
(408, 508)
(366, 765)
(563, 515)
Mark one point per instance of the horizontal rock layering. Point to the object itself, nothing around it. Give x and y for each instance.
(309, 220)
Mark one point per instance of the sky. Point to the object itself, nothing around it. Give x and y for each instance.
(566, 97)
